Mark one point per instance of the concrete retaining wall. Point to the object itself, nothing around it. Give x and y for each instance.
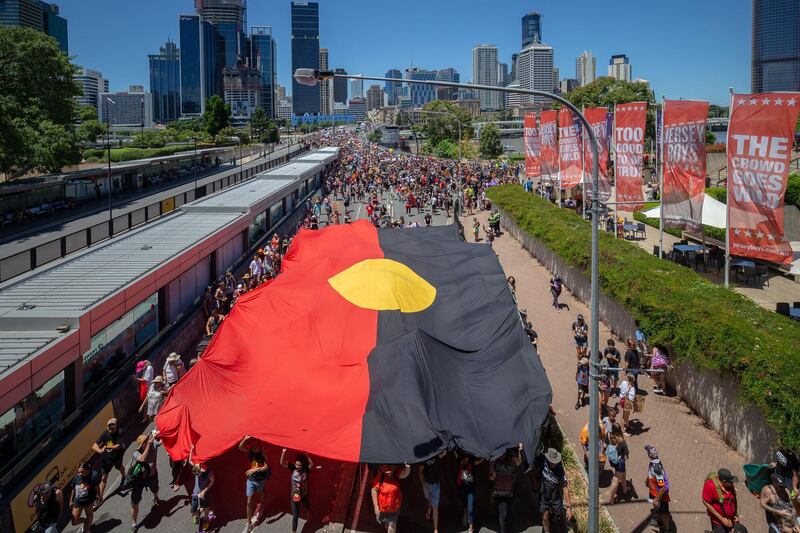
(714, 397)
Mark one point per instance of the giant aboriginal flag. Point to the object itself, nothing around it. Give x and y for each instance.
(372, 345)
(760, 139)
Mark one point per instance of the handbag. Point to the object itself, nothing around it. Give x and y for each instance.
(638, 404)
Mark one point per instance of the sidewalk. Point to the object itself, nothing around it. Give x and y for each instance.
(688, 449)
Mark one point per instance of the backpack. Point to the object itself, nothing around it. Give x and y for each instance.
(137, 472)
(611, 453)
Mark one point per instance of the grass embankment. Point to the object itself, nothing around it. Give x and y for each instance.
(715, 328)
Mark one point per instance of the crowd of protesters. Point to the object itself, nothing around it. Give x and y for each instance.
(369, 178)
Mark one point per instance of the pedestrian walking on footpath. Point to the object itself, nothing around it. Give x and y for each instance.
(110, 446)
(550, 481)
(83, 495)
(139, 475)
(719, 499)
(555, 290)
(582, 379)
(627, 399)
(580, 332)
(617, 454)
(658, 492)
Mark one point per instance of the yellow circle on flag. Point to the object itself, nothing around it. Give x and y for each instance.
(383, 284)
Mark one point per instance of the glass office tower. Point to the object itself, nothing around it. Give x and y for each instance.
(305, 54)
(776, 46)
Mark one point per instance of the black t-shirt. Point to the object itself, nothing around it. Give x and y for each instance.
(632, 358)
(85, 488)
(612, 353)
(552, 479)
(106, 439)
(431, 470)
(579, 330)
(257, 460)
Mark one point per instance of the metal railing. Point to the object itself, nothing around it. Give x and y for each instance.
(722, 174)
(36, 256)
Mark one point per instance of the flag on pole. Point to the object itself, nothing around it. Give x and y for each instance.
(532, 148)
(548, 145)
(760, 138)
(630, 120)
(569, 149)
(684, 160)
(597, 120)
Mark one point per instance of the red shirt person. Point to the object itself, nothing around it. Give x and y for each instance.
(387, 497)
(719, 498)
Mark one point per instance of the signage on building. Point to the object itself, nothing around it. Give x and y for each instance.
(60, 470)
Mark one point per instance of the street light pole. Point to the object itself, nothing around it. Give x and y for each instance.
(108, 173)
(307, 76)
(194, 165)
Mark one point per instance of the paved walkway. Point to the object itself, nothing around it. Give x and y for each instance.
(688, 448)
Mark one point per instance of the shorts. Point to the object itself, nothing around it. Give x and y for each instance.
(583, 388)
(555, 505)
(581, 341)
(254, 486)
(716, 528)
(388, 518)
(432, 492)
(110, 465)
(83, 505)
(662, 508)
(198, 502)
(619, 466)
(136, 492)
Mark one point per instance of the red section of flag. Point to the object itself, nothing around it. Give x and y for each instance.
(548, 128)
(597, 120)
(684, 157)
(629, 124)
(760, 138)
(533, 168)
(569, 149)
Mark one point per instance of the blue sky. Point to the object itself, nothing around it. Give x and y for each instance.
(685, 48)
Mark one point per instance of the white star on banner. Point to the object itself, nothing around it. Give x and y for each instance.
(747, 233)
(741, 101)
(736, 231)
(760, 234)
(779, 101)
(765, 101)
(753, 101)
(791, 101)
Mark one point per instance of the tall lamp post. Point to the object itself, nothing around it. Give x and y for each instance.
(108, 173)
(194, 165)
(310, 77)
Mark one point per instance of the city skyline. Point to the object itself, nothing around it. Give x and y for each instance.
(443, 38)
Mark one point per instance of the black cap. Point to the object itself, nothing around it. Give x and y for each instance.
(777, 480)
(725, 475)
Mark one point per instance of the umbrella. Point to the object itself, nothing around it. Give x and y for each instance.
(713, 212)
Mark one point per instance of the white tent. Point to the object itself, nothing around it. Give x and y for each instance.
(713, 212)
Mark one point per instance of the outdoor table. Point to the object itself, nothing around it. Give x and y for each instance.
(794, 312)
(629, 227)
(742, 263)
(684, 248)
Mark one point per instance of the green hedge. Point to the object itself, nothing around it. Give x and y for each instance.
(130, 153)
(713, 327)
(792, 191)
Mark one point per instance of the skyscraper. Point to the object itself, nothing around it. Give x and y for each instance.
(419, 94)
(41, 16)
(340, 87)
(531, 28)
(133, 107)
(357, 88)
(776, 46)
(451, 75)
(392, 88)
(535, 71)
(165, 83)
(585, 68)
(503, 74)
(305, 54)
(325, 86)
(484, 72)
(199, 78)
(619, 68)
(374, 97)
(92, 83)
(262, 58)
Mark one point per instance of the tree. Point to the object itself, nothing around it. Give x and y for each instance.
(504, 114)
(717, 111)
(606, 91)
(273, 132)
(37, 105)
(446, 149)
(85, 112)
(259, 125)
(490, 146)
(439, 127)
(217, 115)
(375, 137)
(90, 130)
(710, 137)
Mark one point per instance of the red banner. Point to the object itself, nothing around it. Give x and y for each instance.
(684, 159)
(549, 145)
(597, 117)
(569, 149)
(532, 148)
(760, 138)
(629, 124)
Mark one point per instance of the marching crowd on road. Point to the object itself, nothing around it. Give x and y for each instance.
(370, 179)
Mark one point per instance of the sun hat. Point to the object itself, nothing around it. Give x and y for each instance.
(552, 456)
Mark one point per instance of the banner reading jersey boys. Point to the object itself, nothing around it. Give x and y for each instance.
(548, 145)
(629, 123)
(569, 149)
(760, 137)
(532, 148)
(597, 119)
(684, 157)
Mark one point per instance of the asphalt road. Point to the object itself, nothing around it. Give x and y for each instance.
(330, 477)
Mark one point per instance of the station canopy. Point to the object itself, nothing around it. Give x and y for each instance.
(373, 345)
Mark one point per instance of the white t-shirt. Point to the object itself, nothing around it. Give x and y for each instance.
(627, 391)
(172, 371)
(148, 375)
